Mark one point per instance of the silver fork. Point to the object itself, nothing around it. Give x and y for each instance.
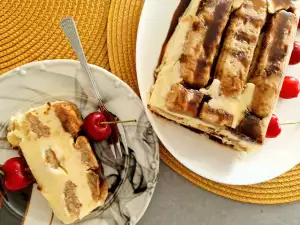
(3, 139)
(69, 28)
(2, 125)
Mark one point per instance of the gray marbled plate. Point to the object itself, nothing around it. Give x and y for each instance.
(132, 178)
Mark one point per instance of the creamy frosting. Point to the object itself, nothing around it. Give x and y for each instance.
(234, 106)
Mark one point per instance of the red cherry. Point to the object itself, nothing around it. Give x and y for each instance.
(274, 128)
(94, 129)
(15, 177)
(295, 58)
(290, 88)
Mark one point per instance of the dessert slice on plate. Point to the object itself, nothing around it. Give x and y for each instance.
(62, 163)
(222, 69)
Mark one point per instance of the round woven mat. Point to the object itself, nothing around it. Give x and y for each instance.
(29, 30)
(122, 30)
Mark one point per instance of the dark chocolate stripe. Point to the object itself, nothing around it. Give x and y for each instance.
(251, 127)
(214, 29)
(241, 56)
(174, 22)
(279, 51)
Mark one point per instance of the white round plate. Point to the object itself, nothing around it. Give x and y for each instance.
(131, 179)
(201, 155)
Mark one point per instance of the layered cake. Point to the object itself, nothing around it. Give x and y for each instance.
(222, 67)
(62, 163)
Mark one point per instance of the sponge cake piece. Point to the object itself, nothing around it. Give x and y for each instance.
(62, 163)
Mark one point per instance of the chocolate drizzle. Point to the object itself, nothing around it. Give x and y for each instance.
(279, 51)
(174, 22)
(214, 29)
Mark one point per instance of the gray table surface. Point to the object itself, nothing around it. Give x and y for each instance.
(178, 202)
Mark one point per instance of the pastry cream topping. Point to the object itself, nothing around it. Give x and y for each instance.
(193, 7)
(234, 106)
(169, 71)
(237, 4)
(52, 179)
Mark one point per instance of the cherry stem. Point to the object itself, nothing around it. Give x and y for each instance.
(1, 172)
(289, 123)
(114, 122)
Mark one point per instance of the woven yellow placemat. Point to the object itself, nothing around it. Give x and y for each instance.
(122, 30)
(29, 31)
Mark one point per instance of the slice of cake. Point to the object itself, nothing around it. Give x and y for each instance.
(63, 165)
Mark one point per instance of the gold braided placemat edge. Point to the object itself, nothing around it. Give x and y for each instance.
(283, 189)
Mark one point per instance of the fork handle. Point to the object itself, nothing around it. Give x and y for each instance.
(69, 27)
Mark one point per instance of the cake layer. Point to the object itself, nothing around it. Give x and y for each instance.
(271, 61)
(235, 107)
(202, 41)
(217, 116)
(237, 52)
(184, 101)
(63, 164)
